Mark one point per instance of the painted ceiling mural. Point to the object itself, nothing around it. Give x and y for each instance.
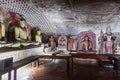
(33, 16)
(67, 16)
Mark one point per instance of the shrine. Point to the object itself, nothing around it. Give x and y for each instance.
(59, 39)
(62, 42)
(81, 41)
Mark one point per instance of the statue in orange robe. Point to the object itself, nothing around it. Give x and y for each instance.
(52, 42)
(71, 40)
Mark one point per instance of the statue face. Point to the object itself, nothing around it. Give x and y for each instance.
(38, 32)
(109, 38)
(22, 24)
(51, 36)
(86, 38)
(71, 37)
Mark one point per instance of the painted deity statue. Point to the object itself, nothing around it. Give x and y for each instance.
(71, 41)
(86, 44)
(108, 41)
(51, 42)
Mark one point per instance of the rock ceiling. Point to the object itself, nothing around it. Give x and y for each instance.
(66, 16)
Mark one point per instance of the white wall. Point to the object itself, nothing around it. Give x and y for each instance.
(20, 54)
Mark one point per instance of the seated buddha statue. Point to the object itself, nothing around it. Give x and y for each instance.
(38, 36)
(86, 44)
(21, 31)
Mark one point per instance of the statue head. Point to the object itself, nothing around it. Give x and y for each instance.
(71, 37)
(38, 32)
(51, 37)
(86, 37)
(108, 30)
(22, 22)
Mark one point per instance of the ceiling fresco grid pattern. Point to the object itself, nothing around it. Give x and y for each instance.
(33, 16)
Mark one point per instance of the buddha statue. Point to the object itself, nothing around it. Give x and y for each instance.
(2, 27)
(38, 36)
(86, 44)
(21, 31)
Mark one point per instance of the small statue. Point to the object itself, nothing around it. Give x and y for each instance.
(38, 36)
(52, 43)
(86, 43)
(100, 42)
(71, 41)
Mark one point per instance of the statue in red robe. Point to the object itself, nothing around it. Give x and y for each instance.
(71, 41)
(52, 42)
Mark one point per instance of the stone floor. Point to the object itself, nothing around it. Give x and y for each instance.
(57, 71)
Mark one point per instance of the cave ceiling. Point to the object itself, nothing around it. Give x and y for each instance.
(66, 16)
